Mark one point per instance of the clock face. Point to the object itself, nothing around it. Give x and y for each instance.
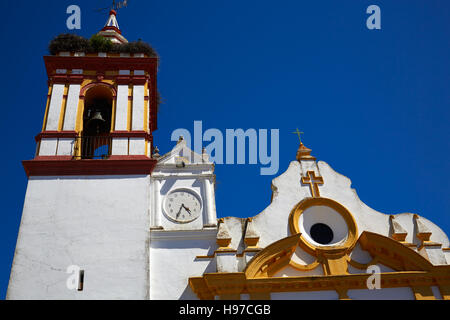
(182, 206)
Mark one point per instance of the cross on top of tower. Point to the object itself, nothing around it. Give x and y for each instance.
(119, 4)
(116, 5)
(299, 133)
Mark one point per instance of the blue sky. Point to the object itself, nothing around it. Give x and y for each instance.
(374, 104)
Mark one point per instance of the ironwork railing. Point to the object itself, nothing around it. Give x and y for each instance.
(93, 147)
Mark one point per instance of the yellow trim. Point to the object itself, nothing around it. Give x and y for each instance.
(79, 127)
(334, 263)
(313, 183)
(79, 117)
(392, 253)
(298, 210)
(113, 114)
(205, 257)
(47, 106)
(306, 267)
(212, 284)
(423, 293)
(414, 271)
(362, 266)
(146, 107)
(224, 243)
(130, 108)
(277, 254)
(62, 112)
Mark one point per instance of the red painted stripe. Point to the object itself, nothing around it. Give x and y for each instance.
(125, 165)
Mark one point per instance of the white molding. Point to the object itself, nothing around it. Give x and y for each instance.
(203, 234)
(184, 176)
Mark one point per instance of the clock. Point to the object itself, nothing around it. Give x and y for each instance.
(182, 205)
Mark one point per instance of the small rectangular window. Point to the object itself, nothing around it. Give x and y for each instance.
(81, 280)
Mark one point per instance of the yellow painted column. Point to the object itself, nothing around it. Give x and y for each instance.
(62, 113)
(130, 107)
(44, 124)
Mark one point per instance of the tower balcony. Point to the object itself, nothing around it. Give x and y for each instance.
(69, 153)
(92, 147)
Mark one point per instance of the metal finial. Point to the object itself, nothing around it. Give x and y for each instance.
(299, 133)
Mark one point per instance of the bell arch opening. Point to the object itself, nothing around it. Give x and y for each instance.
(97, 121)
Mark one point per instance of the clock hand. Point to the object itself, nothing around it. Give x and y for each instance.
(187, 209)
(179, 211)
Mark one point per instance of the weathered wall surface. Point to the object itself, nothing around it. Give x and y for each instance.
(100, 224)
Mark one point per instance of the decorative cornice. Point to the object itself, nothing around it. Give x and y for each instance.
(100, 64)
(62, 166)
(131, 134)
(413, 271)
(55, 134)
(167, 235)
(216, 284)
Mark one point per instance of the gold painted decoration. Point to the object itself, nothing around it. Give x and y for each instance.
(412, 270)
(397, 231)
(223, 238)
(313, 183)
(251, 238)
(304, 153)
(300, 208)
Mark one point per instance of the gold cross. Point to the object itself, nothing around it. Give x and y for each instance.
(313, 182)
(297, 132)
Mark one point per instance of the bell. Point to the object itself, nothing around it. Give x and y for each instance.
(96, 117)
(96, 121)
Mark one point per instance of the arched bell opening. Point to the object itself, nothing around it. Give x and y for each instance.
(97, 119)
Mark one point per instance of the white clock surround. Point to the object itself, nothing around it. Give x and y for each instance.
(195, 176)
(173, 239)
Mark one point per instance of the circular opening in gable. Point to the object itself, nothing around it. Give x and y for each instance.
(323, 223)
(321, 233)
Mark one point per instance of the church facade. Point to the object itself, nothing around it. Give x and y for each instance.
(107, 217)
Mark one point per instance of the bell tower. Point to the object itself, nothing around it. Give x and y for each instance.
(87, 200)
(100, 106)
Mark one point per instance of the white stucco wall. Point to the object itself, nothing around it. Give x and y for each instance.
(196, 175)
(173, 260)
(272, 222)
(121, 108)
(100, 224)
(138, 108)
(65, 146)
(70, 117)
(54, 109)
(48, 147)
(119, 146)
